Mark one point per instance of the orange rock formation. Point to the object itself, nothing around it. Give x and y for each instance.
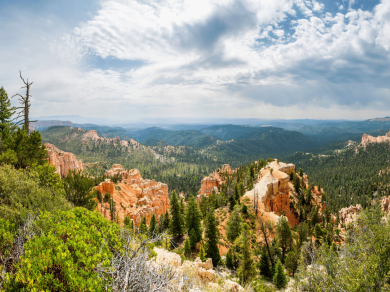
(213, 181)
(64, 161)
(274, 191)
(134, 196)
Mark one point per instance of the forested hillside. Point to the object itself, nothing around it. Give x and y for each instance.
(351, 176)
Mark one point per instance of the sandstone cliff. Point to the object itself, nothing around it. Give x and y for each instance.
(64, 161)
(275, 192)
(213, 181)
(134, 196)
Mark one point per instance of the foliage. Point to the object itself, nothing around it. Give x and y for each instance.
(193, 238)
(264, 264)
(361, 264)
(284, 234)
(6, 110)
(21, 149)
(187, 247)
(78, 190)
(247, 268)
(212, 240)
(21, 193)
(291, 262)
(64, 257)
(202, 254)
(193, 218)
(177, 224)
(234, 223)
(152, 225)
(279, 278)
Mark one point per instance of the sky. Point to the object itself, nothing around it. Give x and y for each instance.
(129, 61)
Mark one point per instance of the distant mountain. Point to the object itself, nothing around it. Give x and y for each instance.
(190, 138)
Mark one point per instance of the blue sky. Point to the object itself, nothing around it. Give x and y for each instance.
(133, 60)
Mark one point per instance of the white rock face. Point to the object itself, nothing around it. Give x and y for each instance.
(232, 286)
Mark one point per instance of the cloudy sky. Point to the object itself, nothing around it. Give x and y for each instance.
(130, 60)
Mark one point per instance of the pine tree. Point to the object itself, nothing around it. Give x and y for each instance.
(166, 220)
(236, 192)
(143, 228)
(246, 270)
(234, 223)
(194, 218)
(187, 247)
(241, 189)
(232, 202)
(152, 226)
(176, 216)
(211, 237)
(78, 190)
(6, 110)
(202, 254)
(229, 260)
(193, 238)
(284, 234)
(291, 262)
(264, 263)
(279, 279)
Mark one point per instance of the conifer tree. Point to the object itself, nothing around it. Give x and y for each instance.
(194, 218)
(187, 247)
(264, 263)
(284, 234)
(160, 226)
(234, 223)
(246, 270)
(229, 260)
(211, 237)
(193, 238)
(6, 110)
(143, 228)
(291, 262)
(236, 192)
(202, 254)
(176, 216)
(232, 202)
(152, 226)
(241, 189)
(166, 220)
(279, 278)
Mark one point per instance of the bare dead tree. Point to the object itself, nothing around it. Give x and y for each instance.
(10, 255)
(132, 269)
(256, 200)
(266, 228)
(24, 110)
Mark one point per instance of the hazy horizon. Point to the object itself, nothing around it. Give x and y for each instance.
(135, 60)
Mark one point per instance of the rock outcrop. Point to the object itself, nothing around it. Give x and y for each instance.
(134, 196)
(385, 204)
(63, 161)
(367, 139)
(213, 181)
(350, 214)
(202, 271)
(275, 192)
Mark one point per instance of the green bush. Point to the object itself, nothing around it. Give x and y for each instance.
(22, 193)
(64, 258)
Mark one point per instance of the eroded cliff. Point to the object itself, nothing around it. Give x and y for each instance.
(63, 161)
(133, 196)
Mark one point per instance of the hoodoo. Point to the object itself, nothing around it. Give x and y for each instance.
(133, 196)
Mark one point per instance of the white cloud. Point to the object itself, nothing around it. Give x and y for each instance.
(203, 58)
